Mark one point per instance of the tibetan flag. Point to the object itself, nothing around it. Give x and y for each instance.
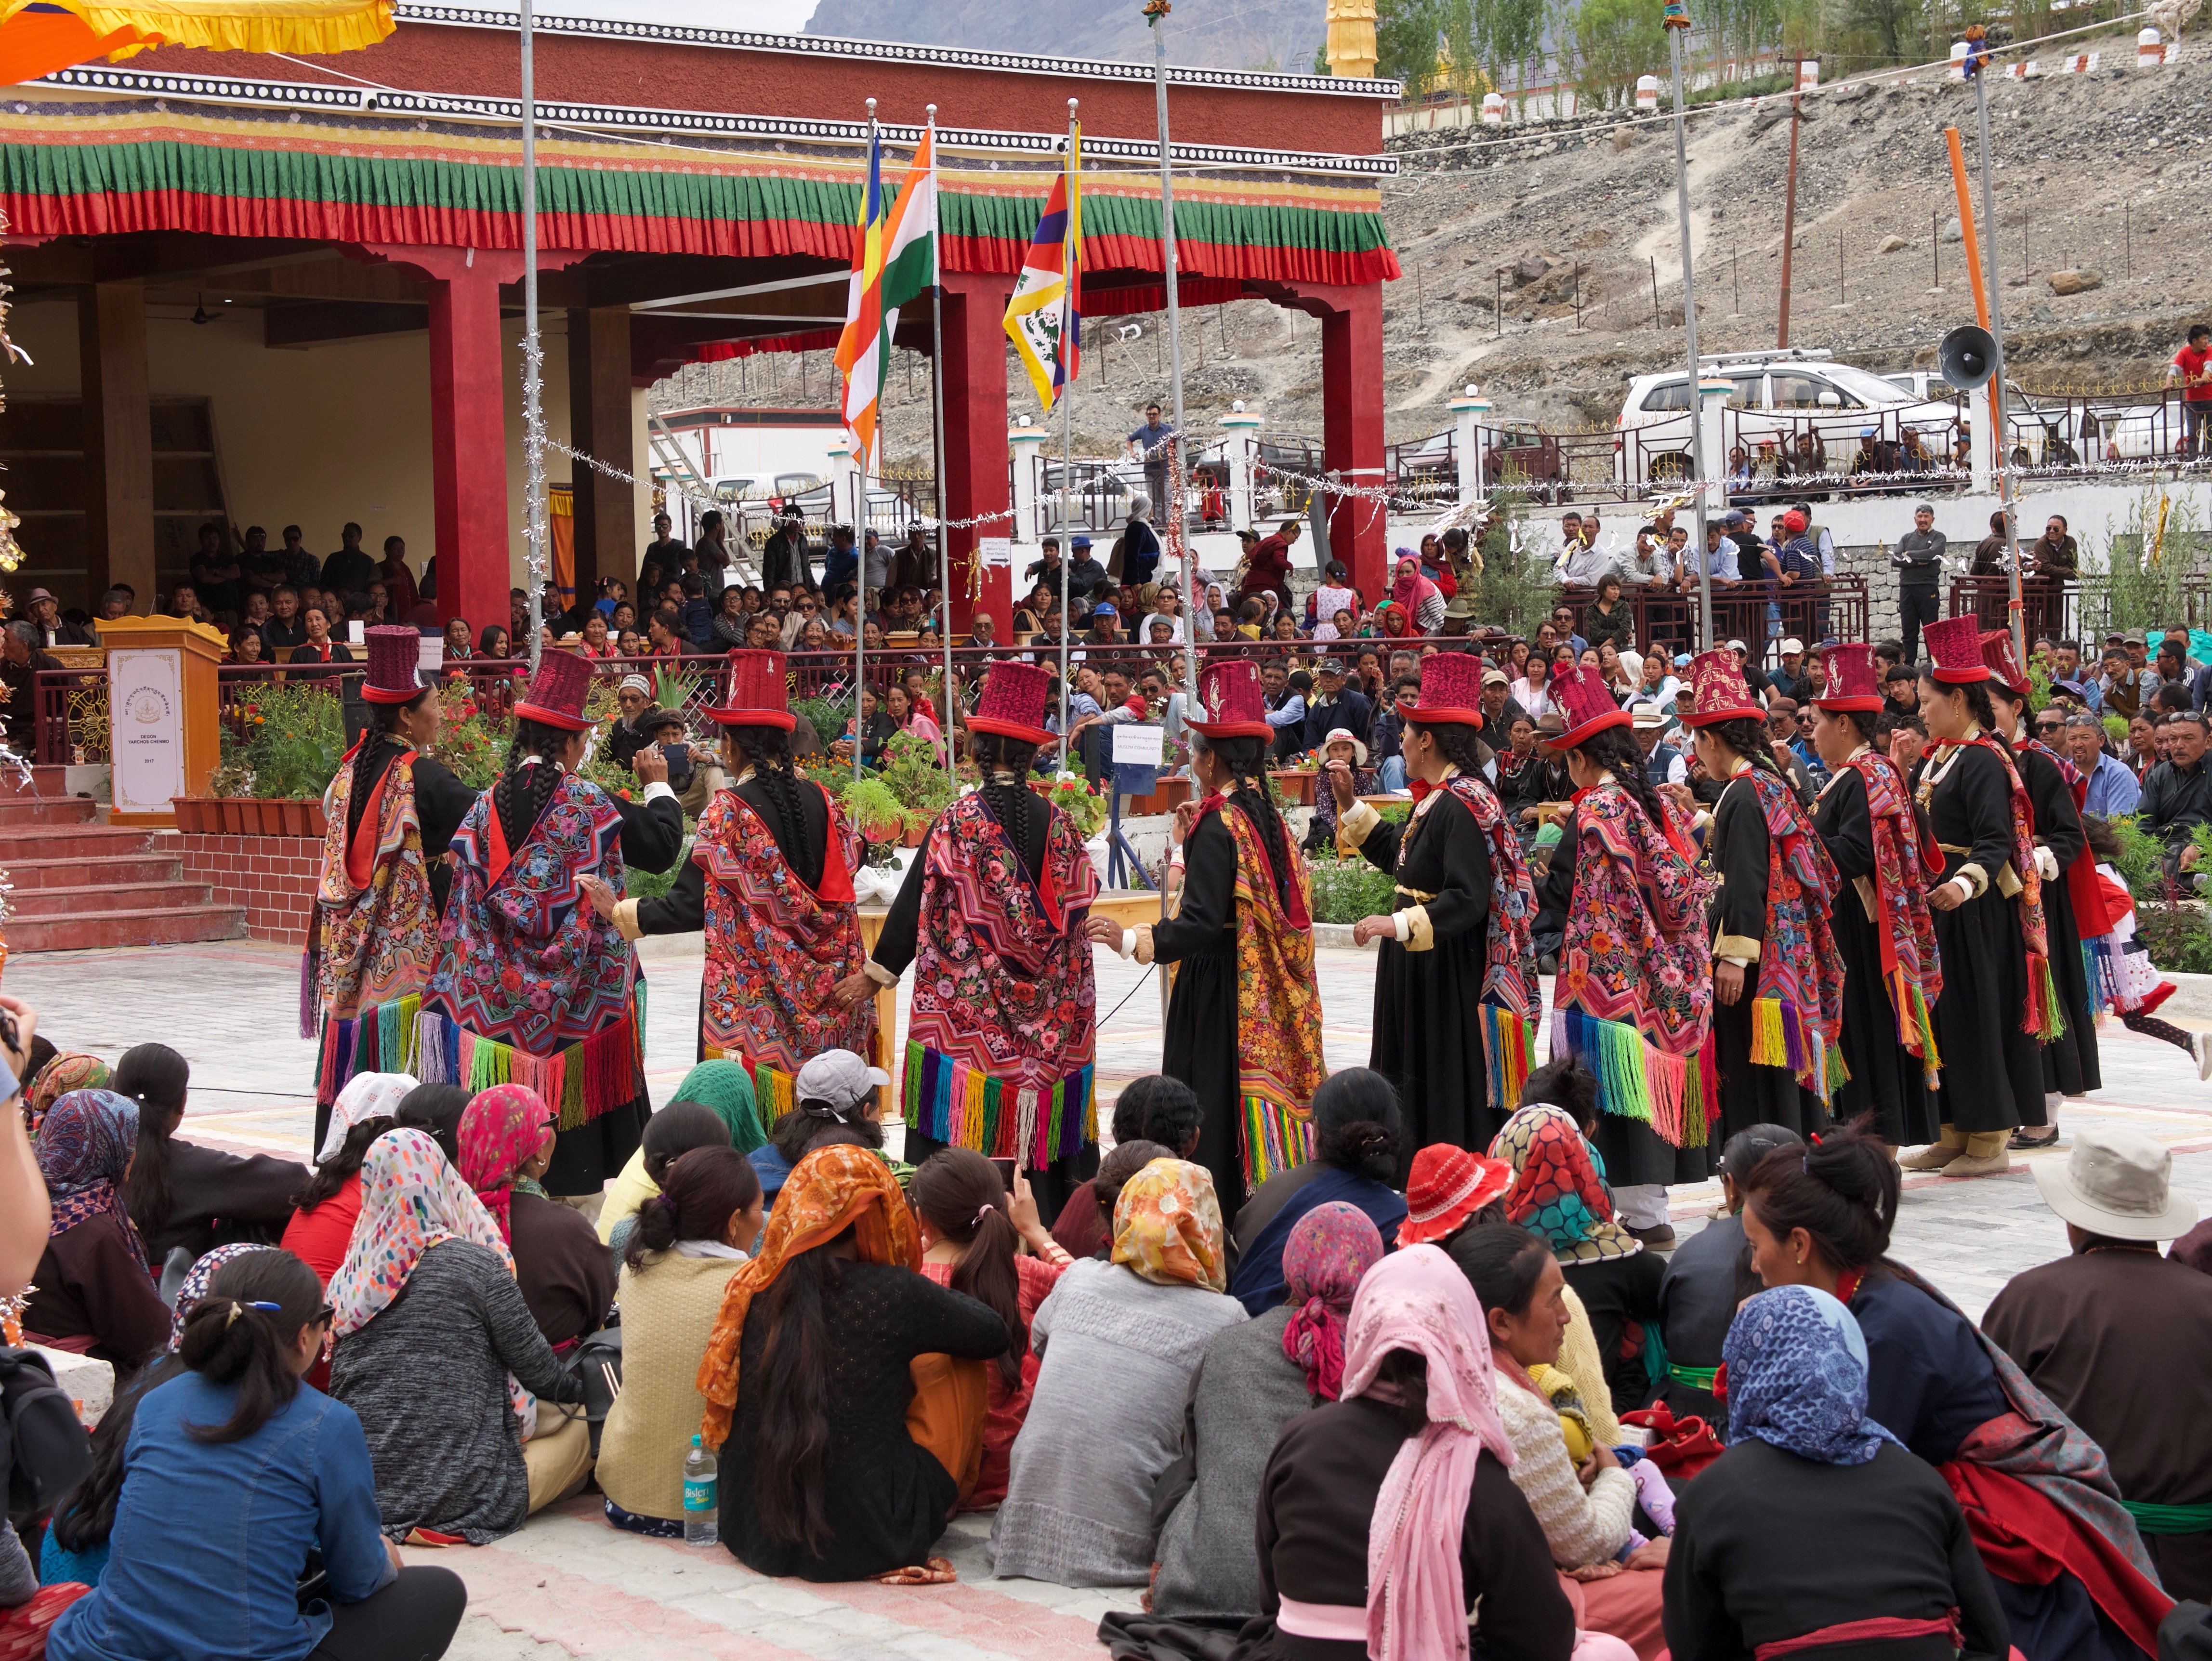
(894, 263)
(1044, 317)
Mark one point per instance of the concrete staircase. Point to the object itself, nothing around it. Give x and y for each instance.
(81, 883)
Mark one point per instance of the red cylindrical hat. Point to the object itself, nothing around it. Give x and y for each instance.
(1451, 689)
(1997, 655)
(1852, 683)
(1721, 691)
(1012, 703)
(394, 656)
(1236, 705)
(1587, 706)
(1954, 649)
(557, 692)
(753, 692)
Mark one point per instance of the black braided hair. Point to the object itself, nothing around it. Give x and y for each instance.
(521, 792)
(1747, 738)
(1247, 762)
(768, 750)
(1457, 742)
(381, 734)
(1009, 799)
(1615, 750)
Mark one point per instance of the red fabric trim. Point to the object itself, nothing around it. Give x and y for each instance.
(360, 850)
(2025, 1537)
(1861, 1632)
(500, 855)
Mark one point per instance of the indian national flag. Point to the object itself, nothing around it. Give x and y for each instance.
(894, 261)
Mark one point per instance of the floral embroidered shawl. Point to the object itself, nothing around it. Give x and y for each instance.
(1636, 950)
(1799, 965)
(380, 924)
(775, 948)
(531, 964)
(1903, 868)
(1511, 978)
(1002, 975)
(1278, 1001)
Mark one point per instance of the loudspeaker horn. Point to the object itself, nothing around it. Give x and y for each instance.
(1967, 357)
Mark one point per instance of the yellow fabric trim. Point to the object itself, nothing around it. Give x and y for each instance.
(2009, 882)
(287, 26)
(1736, 945)
(1868, 898)
(1976, 879)
(1419, 896)
(626, 920)
(1143, 951)
(1421, 935)
(1355, 825)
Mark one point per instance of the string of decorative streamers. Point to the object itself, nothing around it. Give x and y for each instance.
(672, 488)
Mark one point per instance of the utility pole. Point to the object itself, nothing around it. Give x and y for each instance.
(1789, 198)
(1675, 33)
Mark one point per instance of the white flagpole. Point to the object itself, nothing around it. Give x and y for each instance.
(860, 622)
(533, 393)
(1173, 516)
(937, 398)
(1067, 462)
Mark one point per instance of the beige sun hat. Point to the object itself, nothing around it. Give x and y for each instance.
(2117, 1183)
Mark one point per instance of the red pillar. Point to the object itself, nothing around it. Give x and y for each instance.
(1351, 420)
(468, 447)
(976, 477)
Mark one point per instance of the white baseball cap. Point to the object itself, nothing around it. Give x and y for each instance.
(837, 1078)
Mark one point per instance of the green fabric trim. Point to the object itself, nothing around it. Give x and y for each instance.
(2170, 1519)
(1694, 1377)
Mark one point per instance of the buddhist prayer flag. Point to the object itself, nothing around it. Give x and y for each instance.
(1044, 317)
(894, 262)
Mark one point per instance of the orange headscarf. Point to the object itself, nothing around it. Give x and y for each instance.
(831, 1190)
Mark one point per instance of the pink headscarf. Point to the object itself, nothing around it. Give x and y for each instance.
(1329, 1252)
(1411, 588)
(501, 1129)
(1416, 1299)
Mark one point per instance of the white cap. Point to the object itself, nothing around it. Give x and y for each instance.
(838, 1078)
(1789, 646)
(1737, 646)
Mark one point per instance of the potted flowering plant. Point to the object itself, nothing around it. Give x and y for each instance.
(1075, 797)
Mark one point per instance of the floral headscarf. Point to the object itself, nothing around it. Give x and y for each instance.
(1417, 1300)
(84, 1148)
(831, 1190)
(194, 1284)
(1330, 1248)
(728, 1089)
(367, 1096)
(1559, 1186)
(1797, 1377)
(1167, 1226)
(502, 1129)
(72, 1069)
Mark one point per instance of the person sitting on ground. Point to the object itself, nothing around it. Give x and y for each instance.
(1707, 1276)
(1587, 1508)
(723, 1087)
(566, 1275)
(969, 1231)
(2106, 1332)
(65, 1070)
(690, 1236)
(1254, 1377)
(327, 1204)
(237, 1436)
(1153, 1108)
(1446, 1532)
(181, 1193)
(1821, 1217)
(1900, 1574)
(1124, 1161)
(1078, 1511)
(436, 1109)
(76, 1544)
(1559, 1190)
(838, 1100)
(452, 1463)
(93, 1292)
(1357, 1128)
(809, 1377)
(669, 1135)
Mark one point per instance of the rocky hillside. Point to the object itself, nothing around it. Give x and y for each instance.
(2100, 181)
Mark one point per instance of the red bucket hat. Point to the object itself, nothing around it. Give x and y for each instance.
(2003, 666)
(1448, 1185)
(1587, 707)
(1954, 649)
(1451, 690)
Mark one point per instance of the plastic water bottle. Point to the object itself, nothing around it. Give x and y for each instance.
(700, 1496)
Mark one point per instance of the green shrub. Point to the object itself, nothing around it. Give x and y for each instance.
(295, 739)
(1345, 891)
(2175, 936)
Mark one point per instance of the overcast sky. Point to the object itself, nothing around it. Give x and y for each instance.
(778, 16)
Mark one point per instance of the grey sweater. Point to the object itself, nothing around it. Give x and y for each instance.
(1245, 1390)
(1106, 1419)
(428, 1378)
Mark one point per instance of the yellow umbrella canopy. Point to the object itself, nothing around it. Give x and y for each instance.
(38, 37)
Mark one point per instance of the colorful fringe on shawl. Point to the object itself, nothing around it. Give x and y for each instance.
(1509, 1053)
(1780, 1037)
(963, 1106)
(1678, 1096)
(1916, 1029)
(1277, 1137)
(773, 1088)
(580, 1082)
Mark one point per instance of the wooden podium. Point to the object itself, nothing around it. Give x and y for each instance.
(163, 714)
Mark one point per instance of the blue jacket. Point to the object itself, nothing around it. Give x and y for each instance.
(210, 1538)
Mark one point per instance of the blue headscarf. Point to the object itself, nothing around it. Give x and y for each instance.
(1797, 1377)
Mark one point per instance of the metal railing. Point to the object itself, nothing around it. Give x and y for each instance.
(1753, 613)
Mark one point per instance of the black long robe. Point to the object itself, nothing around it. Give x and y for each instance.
(2069, 1062)
(1428, 1036)
(1751, 1093)
(1635, 1155)
(1992, 1070)
(1886, 1078)
(1201, 1047)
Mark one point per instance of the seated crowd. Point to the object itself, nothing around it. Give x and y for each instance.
(1468, 1415)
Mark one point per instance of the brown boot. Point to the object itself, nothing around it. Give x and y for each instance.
(1986, 1156)
(1939, 1154)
